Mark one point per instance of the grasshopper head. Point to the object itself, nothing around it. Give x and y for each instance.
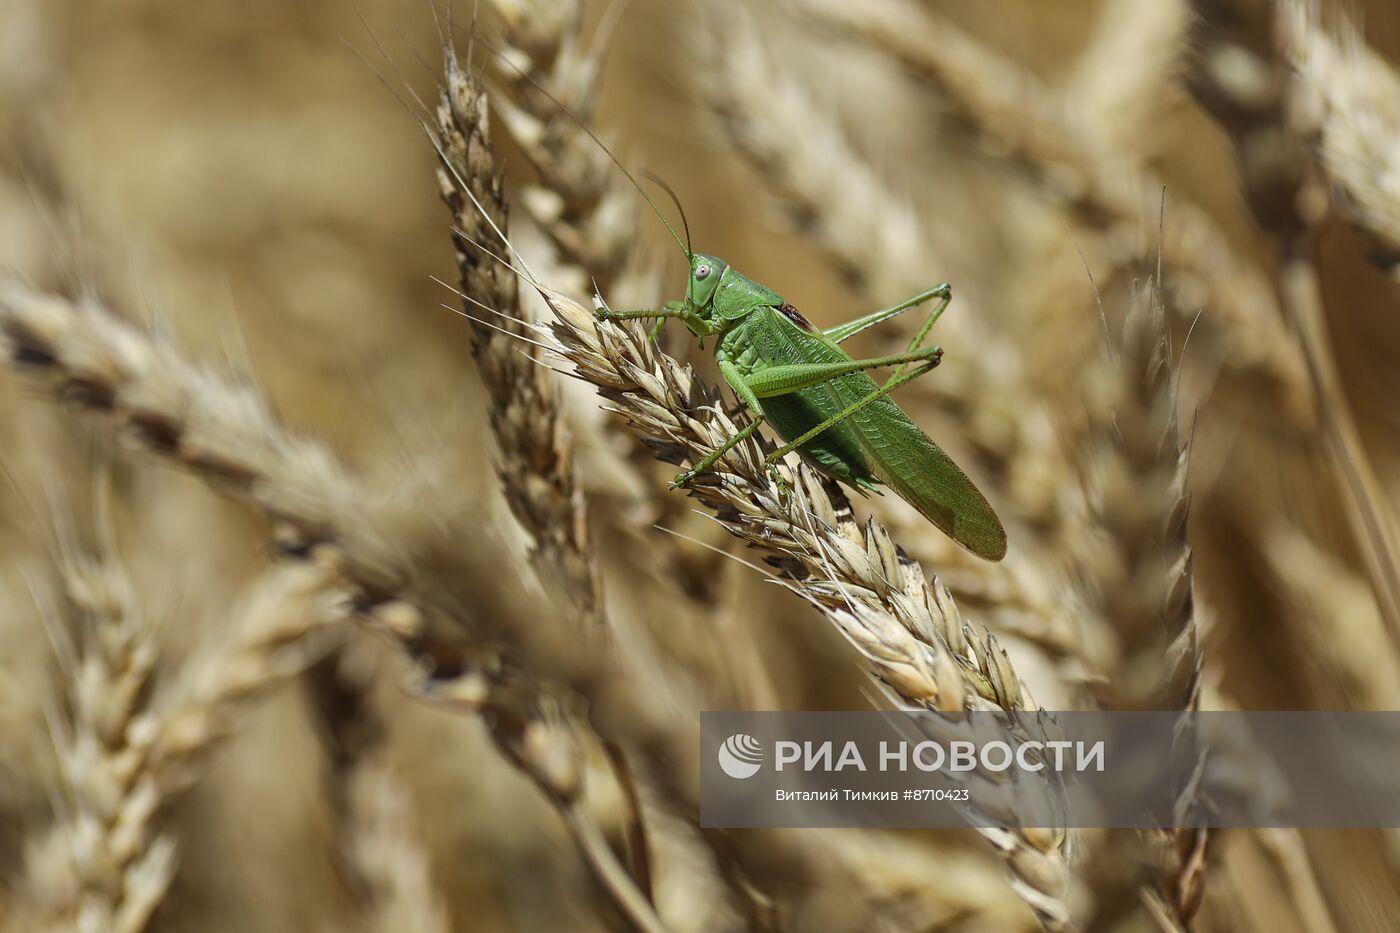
(705, 273)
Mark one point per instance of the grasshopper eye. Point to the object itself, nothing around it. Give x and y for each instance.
(702, 272)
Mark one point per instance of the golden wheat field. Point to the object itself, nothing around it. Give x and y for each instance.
(342, 585)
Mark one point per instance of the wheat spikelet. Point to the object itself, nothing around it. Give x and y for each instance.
(1357, 97)
(904, 625)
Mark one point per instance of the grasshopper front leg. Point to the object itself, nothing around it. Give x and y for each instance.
(669, 309)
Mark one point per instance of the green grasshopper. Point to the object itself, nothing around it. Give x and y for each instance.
(822, 401)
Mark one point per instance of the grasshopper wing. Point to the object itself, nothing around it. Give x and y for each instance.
(909, 462)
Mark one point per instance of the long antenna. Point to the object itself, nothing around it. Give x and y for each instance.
(685, 224)
(591, 135)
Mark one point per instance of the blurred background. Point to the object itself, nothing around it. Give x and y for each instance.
(250, 181)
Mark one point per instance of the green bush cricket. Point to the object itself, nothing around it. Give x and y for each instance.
(817, 397)
(823, 402)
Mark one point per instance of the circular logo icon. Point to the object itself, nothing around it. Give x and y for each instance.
(740, 756)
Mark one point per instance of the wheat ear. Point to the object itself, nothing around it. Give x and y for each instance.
(904, 625)
(103, 866)
(1135, 571)
(537, 471)
(1356, 95)
(131, 755)
(581, 202)
(224, 433)
(587, 208)
(1127, 75)
(871, 236)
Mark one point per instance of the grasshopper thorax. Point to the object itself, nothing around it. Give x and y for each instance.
(719, 296)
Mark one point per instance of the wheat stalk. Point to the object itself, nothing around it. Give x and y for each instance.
(1337, 619)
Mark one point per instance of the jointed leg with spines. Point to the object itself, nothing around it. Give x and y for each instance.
(943, 291)
(671, 309)
(781, 380)
(932, 356)
(894, 382)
